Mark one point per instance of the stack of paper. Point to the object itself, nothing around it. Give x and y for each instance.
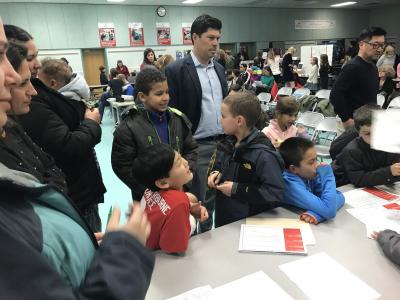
(321, 277)
(376, 208)
(267, 239)
(306, 232)
(368, 197)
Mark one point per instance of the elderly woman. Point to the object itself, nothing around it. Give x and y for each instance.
(386, 84)
(388, 57)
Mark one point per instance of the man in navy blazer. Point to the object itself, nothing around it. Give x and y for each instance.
(197, 86)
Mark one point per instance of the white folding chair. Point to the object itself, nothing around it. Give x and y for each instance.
(264, 98)
(309, 120)
(395, 103)
(323, 94)
(380, 99)
(299, 93)
(285, 91)
(324, 134)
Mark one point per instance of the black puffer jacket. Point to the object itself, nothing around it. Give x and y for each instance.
(255, 168)
(136, 132)
(19, 152)
(58, 126)
(362, 166)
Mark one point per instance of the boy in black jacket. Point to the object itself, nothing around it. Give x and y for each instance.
(154, 124)
(360, 165)
(248, 170)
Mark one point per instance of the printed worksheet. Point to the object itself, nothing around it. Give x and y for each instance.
(368, 197)
(305, 228)
(256, 238)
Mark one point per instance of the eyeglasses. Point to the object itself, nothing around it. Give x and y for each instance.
(376, 45)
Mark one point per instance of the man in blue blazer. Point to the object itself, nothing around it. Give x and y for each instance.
(197, 86)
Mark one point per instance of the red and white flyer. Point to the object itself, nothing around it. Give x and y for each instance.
(107, 35)
(163, 33)
(136, 34)
(186, 35)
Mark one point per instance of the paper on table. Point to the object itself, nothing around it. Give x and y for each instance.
(305, 228)
(386, 122)
(254, 286)
(361, 198)
(200, 293)
(320, 277)
(257, 238)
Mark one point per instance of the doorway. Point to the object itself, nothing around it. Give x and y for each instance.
(92, 59)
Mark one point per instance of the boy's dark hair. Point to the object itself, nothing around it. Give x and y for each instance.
(15, 33)
(147, 78)
(244, 65)
(244, 104)
(65, 60)
(293, 149)
(202, 23)
(16, 53)
(369, 32)
(235, 87)
(324, 59)
(153, 163)
(113, 72)
(363, 115)
(287, 105)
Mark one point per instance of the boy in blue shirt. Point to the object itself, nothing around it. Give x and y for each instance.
(308, 185)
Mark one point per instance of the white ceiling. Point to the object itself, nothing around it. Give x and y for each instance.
(234, 3)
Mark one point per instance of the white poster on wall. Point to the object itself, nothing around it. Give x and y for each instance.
(314, 24)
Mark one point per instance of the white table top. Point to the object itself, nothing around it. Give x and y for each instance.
(213, 258)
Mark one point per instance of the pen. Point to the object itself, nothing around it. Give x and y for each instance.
(109, 215)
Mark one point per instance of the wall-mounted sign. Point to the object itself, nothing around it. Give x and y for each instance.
(163, 34)
(107, 35)
(136, 34)
(186, 36)
(314, 24)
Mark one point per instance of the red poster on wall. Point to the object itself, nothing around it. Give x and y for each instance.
(136, 34)
(107, 35)
(186, 36)
(163, 34)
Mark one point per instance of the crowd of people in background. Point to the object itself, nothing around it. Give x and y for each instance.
(196, 150)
